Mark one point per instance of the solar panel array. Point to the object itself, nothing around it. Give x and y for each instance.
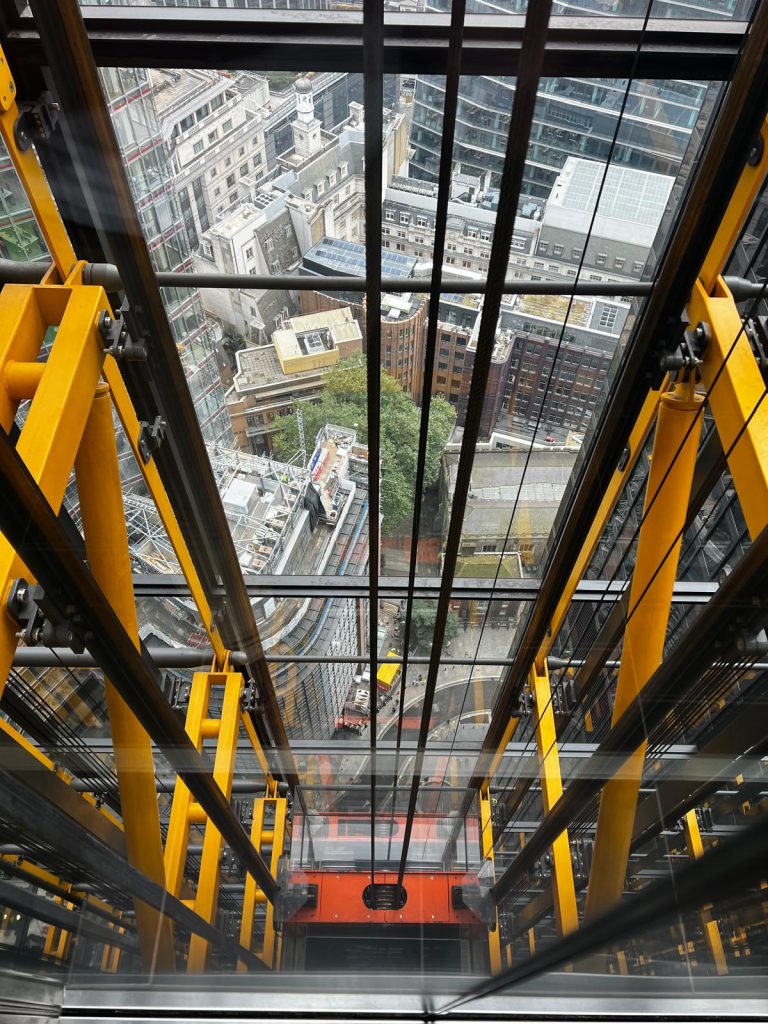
(628, 194)
(349, 258)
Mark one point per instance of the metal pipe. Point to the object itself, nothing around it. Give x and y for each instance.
(161, 657)
(108, 276)
(373, 93)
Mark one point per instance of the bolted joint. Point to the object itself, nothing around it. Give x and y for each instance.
(117, 341)
(686, 359)
(150, 437)
(36, 121)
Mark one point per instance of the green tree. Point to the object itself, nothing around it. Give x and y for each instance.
(345, 401)
(423, 623)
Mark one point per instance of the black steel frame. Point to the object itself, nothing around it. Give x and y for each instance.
(335, 41)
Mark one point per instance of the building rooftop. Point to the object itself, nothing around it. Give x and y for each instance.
(628, 197)
(304, 346)
(399, 305)
(555, 307)
(334, 256)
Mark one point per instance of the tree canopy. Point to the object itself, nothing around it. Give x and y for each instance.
(345, 401)
(423, 619)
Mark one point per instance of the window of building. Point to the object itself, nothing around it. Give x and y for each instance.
(389, 215)
(421, 222)
(230, 180)
(558, 250)
(601, 258)
(608, 316)
(212, 136)
(198, 147)
(543, 247)
(578, 253)
(249, 252)
(405, 218)
(227, 126)
(637, 267)
(243, 168)
(618, 263)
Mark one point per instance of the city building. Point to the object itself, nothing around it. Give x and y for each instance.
(130, 97)
(532, 483)
(270, 380)
(574, 117)
(403, 315)
(252, 239)
(621, 231)
(458, 320)
(409, 210)
(215, 134)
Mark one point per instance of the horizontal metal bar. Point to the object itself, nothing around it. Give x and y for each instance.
(394, 588)
(107, 275)
(24, 901)
(413, 43)
(162, 657)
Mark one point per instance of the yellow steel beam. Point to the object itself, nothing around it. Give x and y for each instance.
(563, 888)
(250, 894)
(635, 444)
(728, 232)
(667, 495)
(736, 389)
(271, 949)
(97, 471)
(50, 437)
(177, 838)
(486, 848)
(32, 178)
(207, 896)
(708, 924)
(132, 428)
(258, 750)
(613, 490)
